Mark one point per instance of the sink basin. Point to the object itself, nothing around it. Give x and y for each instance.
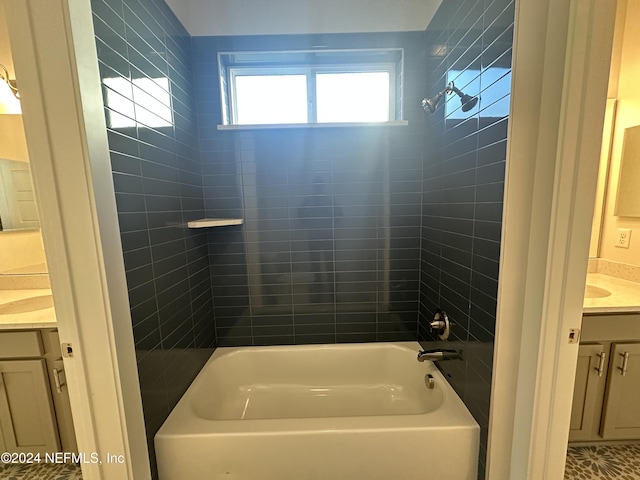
(26, 305)
(595, 292)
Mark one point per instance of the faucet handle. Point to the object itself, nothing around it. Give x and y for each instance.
(440, 324)
(437, 325)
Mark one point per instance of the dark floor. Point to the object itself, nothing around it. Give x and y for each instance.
(603, 462)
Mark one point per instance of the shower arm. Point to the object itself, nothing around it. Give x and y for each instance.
(432, 103)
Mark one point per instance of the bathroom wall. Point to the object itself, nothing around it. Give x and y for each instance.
(145, 67)
(470, 43)
(6, 57)
(627, 115)
(13, 144)
(329, 251)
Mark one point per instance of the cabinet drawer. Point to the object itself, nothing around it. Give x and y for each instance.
(20, 344)
(613, 328)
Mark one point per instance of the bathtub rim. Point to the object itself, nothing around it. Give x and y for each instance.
(453, 414)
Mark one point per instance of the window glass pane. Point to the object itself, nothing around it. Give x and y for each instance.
(271, 99)
(353, 97)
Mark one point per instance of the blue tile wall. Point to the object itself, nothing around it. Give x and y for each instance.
(468, 42)
(145, 65)
(329, 251)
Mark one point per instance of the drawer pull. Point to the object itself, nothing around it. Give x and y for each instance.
(56, 379)
(600, 367)
(625, 361)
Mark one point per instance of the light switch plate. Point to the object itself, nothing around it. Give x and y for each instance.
(623, 237)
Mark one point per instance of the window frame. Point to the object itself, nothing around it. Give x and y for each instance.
(229, 72)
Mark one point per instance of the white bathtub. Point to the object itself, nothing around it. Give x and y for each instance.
(318, 412)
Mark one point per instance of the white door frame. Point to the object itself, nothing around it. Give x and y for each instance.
(55, 59)
(555, 131)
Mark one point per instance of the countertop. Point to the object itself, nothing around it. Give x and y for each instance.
(624, 297)
(44, 318)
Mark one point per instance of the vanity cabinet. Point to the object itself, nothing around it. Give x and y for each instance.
(621, 415)
(607, 388)
(26, 411)
(35, 414)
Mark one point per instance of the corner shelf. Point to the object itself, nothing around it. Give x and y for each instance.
(214, 222)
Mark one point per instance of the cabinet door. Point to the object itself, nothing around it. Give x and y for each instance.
(62, 408)
(588, 392)
(26, 412)
(621, 413)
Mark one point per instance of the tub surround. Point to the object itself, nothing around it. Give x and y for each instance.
(41, 318)
(329, 249)
(157, 177)
(468, 42)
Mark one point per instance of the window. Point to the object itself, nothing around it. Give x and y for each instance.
(303, 87)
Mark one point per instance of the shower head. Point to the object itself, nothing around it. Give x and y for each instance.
(468, 102)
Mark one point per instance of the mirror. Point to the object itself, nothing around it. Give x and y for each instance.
(18, 209)
(599, 211)
(628, 199)
(21, 248)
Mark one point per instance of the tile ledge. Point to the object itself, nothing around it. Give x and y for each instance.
(214, 222)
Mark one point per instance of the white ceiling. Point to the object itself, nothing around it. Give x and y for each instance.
(265, 17)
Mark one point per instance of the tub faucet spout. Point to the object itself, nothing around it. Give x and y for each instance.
(439, 355)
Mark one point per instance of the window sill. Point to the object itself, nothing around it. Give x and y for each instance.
(395, 123)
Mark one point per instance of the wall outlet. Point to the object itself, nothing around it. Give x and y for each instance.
(623, 236)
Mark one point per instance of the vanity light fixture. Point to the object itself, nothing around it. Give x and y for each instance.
(468, 102)
(9, 95)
